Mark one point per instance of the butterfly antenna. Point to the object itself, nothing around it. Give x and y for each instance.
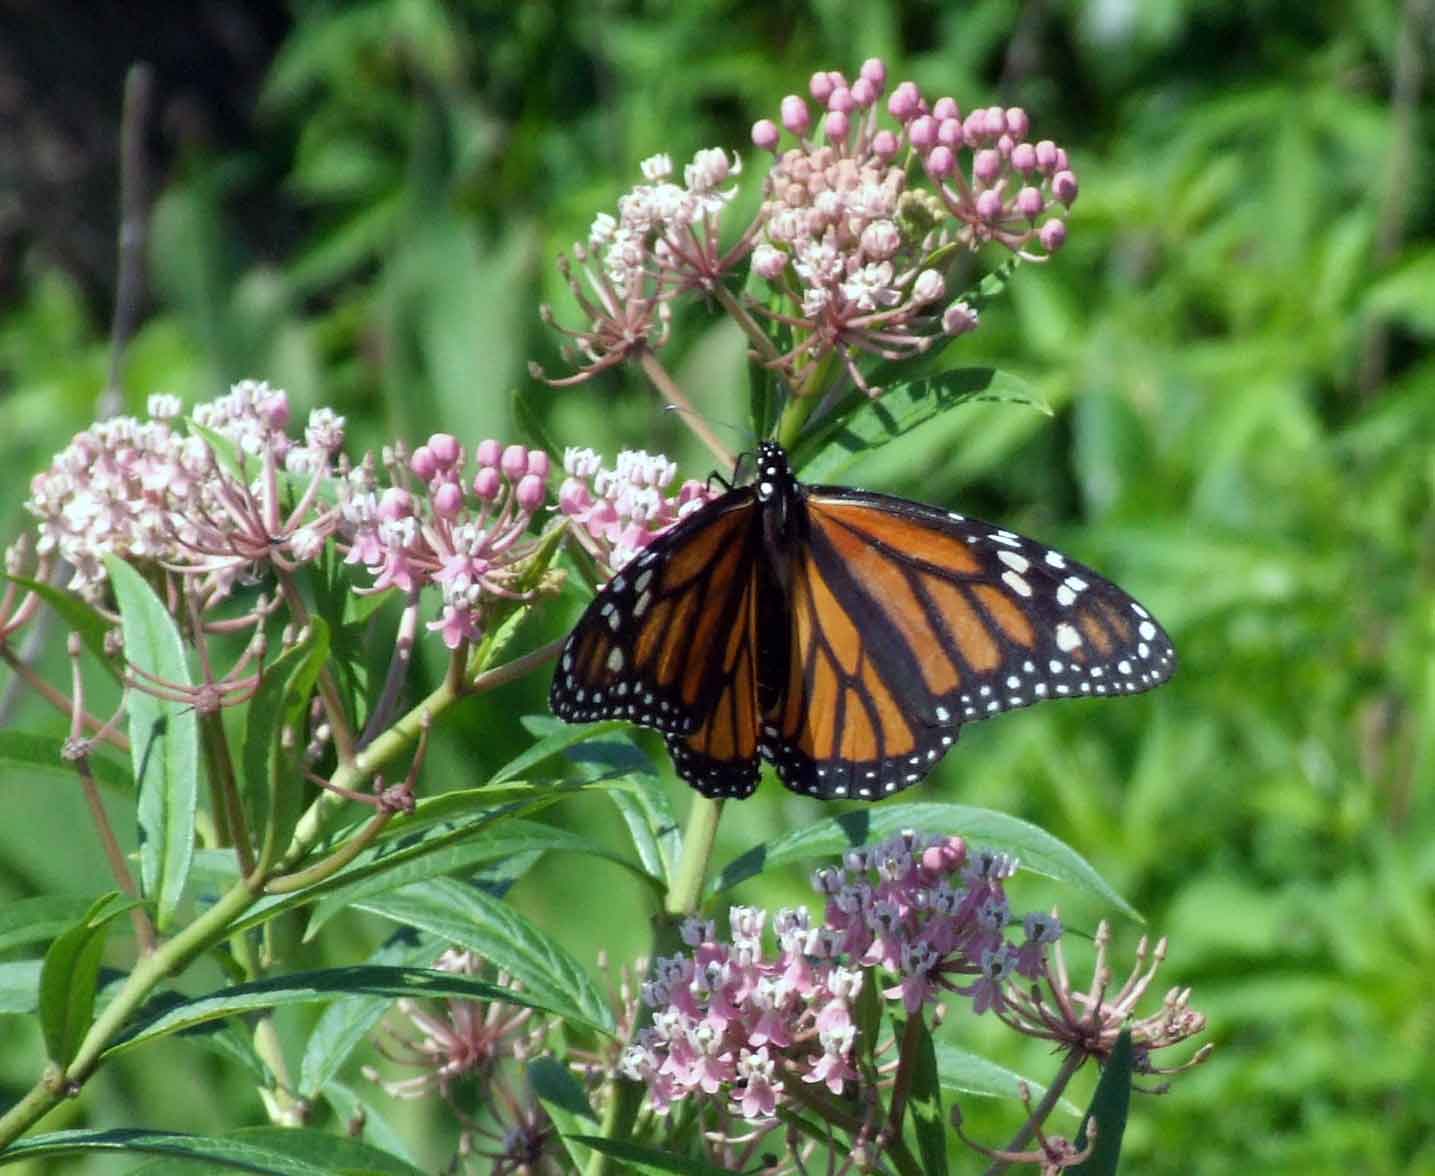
(702, 426)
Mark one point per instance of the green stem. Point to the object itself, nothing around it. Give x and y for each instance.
(686, 893)
(1074, 1061)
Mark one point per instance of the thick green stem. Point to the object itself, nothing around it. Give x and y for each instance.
(686, 893)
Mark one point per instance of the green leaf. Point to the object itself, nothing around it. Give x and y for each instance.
(469, 918)
(1037, 849)
(873, 423)
(530, 425)
(377, 1130)
(924, 1095)
(567, 1105)
(647, 1159)
(345, 1023)
(646, 809)
(283, 1151)
(323, 985)
(79, 616)
(44, 753)
(38, 920)
(20, 986)
(399, 869)
(963, 1072)
(552, 745)
(164, 742)
(1109, 1107)
(273, 792)
(71, 976)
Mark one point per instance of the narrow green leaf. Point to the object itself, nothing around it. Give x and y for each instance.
(873, 423)
(647, 1159)
(647, 811)
(20, 986)
(71, 977)
(79, 616)
(316, 987)
(1037, 849)
(31, 754)
(376, 1130)
(963, 1072)
(552, 745)
(469, 918)
(282, 1151)
(530, 426)
(924, 1095)
(468, 851)
(346, 1022)
(1109, 1107)
(164, 742)
(38, 920)
(567, 1105)
(271, 781)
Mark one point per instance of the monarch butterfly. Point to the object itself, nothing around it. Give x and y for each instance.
(843, 635)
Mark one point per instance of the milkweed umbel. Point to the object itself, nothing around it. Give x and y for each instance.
(843, 635)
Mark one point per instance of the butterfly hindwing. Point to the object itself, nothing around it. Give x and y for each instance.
(908, 621)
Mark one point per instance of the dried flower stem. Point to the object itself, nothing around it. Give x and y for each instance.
(1073, 1062)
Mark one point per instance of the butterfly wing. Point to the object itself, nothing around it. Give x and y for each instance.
(907, 621)
(669, 642)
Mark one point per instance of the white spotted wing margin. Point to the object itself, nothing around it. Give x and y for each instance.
(648, 648)
(944, 620)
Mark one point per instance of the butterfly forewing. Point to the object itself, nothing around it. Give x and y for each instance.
(652, 645)
(907, 621)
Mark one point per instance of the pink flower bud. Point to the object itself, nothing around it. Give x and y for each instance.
(905, 103)
(1017, 122)
(1061, 164)
(765, 135)
(539, 463)
(395, 503)
(488, 452)
(880, 240)
(530, 493)
(946, 107)
(820, 86)
(1023, 157)
(986, 165)
(445, 448)
(928, 287)
(864, 93)
(958, 319)
(514, 462)
(424, 463)
(769, 262)
(989, 204)
(1063, 187)
(274, 410)
(974, 127)
(950, 134)
(487, 483)
(447, 500)
(1052, 235)
(603, 516)
(573, 497)
(885, 145)
(996, 121)
(1004, 145)
(874, 73)
(795, 115)
(923, 133)
(1046, 156)
(1029, 202)
(836, 126)
(841, 100)
(941, 162)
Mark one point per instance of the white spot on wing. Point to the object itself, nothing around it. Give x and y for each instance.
(1067, 638)
(1017, 563)
(1016, 583)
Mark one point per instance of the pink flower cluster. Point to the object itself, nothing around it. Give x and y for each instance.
(862, 251)
(730, 1018)
(466, 535)
(620, 511)
(143, 490)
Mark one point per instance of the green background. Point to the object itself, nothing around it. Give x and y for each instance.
(362, 204)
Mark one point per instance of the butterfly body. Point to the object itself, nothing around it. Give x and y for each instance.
(843, 635)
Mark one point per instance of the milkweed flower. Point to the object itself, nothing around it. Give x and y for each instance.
(147, 491)
(733, 1019)
(619, 510)
(438, 525)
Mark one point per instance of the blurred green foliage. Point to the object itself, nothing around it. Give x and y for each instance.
(1234, 346)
